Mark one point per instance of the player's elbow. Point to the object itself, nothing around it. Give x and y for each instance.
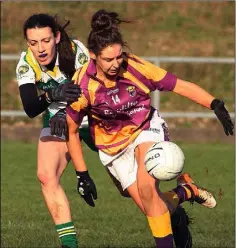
(31, 113)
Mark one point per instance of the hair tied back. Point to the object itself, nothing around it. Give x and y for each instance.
(104, 20)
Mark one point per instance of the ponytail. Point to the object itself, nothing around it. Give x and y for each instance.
(66, 53)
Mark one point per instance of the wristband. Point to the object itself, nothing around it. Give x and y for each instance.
(80, 174)
(214, 103)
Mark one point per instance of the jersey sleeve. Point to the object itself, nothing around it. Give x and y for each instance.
(82, 54)
(78, 110)
(24, 72)
(153, 77)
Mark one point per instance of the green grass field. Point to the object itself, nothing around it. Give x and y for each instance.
(115, 221)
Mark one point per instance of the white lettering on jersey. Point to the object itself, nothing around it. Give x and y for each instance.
(125, 107)
(135, 110)
(112, 91)
(115, 99)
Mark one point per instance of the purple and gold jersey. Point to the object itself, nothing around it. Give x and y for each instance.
(119, 110)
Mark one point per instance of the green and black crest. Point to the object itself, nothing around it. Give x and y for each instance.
(82, 58)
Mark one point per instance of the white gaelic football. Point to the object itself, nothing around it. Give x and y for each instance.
(164, 160)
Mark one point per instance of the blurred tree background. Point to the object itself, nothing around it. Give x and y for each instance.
(158, 29)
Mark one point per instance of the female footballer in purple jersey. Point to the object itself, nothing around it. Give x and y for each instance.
(116, 87)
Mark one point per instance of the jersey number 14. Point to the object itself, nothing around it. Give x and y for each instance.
(115, 99)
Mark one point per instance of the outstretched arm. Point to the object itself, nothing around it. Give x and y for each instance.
(194, 93)
(202, 97)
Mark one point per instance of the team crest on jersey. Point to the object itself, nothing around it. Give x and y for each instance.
(82, 58)
(23, 69)
(131, 90)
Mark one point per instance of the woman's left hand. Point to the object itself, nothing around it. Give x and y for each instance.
(86, 187)
(58, 124)
(223, 115)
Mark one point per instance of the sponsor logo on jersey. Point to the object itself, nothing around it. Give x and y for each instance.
(112, 91)
(23, 69)
(131, 90)
(82, 58)
(47, 85)
(62, 80)
(136, 110)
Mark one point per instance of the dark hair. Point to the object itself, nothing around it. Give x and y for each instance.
(64, 47)
(105, 31)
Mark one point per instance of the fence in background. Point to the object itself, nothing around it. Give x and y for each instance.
(156, 95)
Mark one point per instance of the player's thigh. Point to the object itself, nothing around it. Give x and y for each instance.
(157, 132)
(123, 168)
(117, 183)
(53, 157)
(142, 175)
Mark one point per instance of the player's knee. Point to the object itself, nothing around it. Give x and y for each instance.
(146, 192)
(45, 179)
